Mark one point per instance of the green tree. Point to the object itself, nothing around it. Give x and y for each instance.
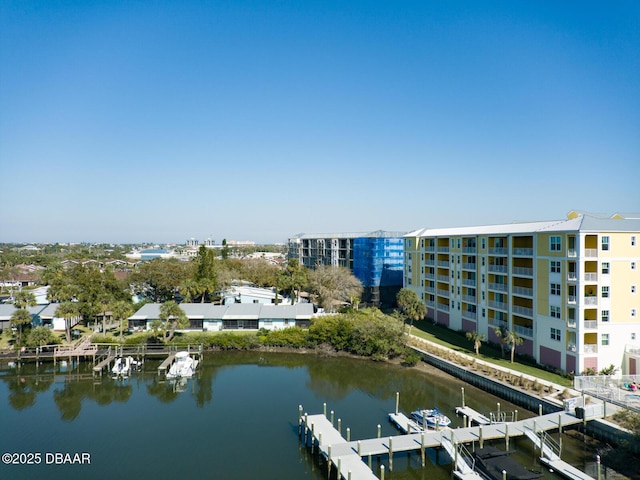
(121, 311)
(333, 286)
(225, 249)
(40, 336)
(509, 338)
(411, 305)
(19, 318)
(70, 311)
(158, 280)
(477, 339)
(172, 317)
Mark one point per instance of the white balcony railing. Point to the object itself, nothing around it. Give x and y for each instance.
(523, 291)
(443, 263)
(494, 322)
(591, 252)
(469, 250)
(571, 324)
(498, 305)
(590, 300)
(443, 278)
(523, 331)
(469, 298)
(497, 251)
(500, 287)
(469, 266)
(527, 312)
(572, 253)
(431, 263)
(571, 299)
(469, 314)
(590, 324)
(590, 277)
(572, 276)
(443, 249)
(523, 271)
(443, 293)
(528, 252)
(443, 307)
(571, 347)
(468, 282)
(590, 348)
(498, 268)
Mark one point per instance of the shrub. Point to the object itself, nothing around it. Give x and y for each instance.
(411, 358)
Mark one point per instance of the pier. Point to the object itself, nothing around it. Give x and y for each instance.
(347, 456)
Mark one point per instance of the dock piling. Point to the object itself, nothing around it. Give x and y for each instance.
(379, 430)
(422, 449)
(381, 472)
(397, 401)
(390, 454)
(462, 389)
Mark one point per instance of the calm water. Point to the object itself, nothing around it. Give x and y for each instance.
(237, 419)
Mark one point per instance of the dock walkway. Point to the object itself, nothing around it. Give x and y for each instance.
(349, 454)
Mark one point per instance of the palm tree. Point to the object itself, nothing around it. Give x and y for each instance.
(19, 318)
(411, 305)
(510, 338)
(69, 311)
(172, 317)
(120, 311)
(477, 339)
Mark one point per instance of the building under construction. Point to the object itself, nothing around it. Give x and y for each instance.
(375, 258)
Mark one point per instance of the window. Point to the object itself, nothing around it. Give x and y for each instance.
(458, 259)
(633, 240)
(483, 296)
(458, 290)
(555, 266)
(556, 334)
(633, 312)
(458, 243)
(633, 335)
(604, 340)
(604, 315)
(605, 268)
(554, 311)
(451, 288)
(605, 242)
(555, 243)
(483, 310)
(633, 289)
(633, 265)
(555, 289)
(483, 244)
(605, 292)
(483, 261)
(483, 278)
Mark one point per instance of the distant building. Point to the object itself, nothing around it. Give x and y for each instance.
(568, 288)
(375, 258)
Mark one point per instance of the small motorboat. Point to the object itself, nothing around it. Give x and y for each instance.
(123, 366)
(490, 462)
(430, 418)
(183, 366)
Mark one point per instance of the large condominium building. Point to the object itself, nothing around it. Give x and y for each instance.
(375, 258)
(568, 288)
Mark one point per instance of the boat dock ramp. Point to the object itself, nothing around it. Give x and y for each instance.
(347, 456)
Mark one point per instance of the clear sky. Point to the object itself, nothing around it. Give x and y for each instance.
(131, 121)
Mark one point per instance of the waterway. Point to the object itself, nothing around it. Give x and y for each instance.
(237, 419)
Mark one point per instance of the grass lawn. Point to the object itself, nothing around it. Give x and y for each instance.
(458, 341)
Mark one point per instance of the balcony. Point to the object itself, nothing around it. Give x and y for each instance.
(523, 291)
(523, 252)
(430, 303)
(591, 300)
(431, 263)
(571, 299)
(572, 276)
(498, 269)
(468, 282)
(469, 266)
(443, 263)
(571, 347)
(522, 271)
(571, 323)
(469, 314)
(591, 277)
(498, 251)
(430, 276)
(469, 249)
(499, 287)
(443, 249)
(591, 252)
(443, 278)
(527, 312)
(443, 307)
(590, 324)
(469, 298)
(572, 254)
(523, 331)
(590, 348)
(430, 290)
(494, 322)
(443, 293)
(430, 248)
(498, 305)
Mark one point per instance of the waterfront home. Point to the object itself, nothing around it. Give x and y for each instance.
(234, 316)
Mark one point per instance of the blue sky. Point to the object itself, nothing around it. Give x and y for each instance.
(158, 121)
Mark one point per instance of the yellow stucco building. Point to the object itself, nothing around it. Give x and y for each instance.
(568, 288)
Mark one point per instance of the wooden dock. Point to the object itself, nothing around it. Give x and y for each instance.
(320, 432)
(164, 366)
(473, 416)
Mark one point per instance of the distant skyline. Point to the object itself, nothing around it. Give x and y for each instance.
(128, 122)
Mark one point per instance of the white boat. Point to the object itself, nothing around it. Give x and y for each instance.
(183, 366)
(430, 418)
(124, 365)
